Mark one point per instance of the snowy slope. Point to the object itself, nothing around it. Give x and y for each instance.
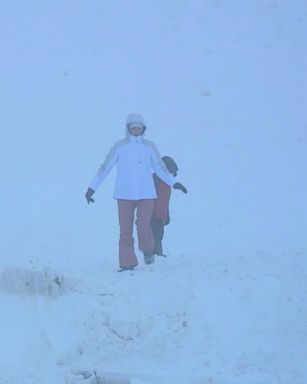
(222, 88)
(225, 321)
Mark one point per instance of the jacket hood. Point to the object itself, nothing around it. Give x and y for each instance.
(135, 119)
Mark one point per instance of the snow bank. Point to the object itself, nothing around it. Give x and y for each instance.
(28, 282)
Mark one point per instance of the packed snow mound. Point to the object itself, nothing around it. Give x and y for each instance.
(30, 282)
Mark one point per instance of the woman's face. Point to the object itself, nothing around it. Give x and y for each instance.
(136, 131)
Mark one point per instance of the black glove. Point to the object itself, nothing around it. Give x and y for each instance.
(181, 187)
(88, 195)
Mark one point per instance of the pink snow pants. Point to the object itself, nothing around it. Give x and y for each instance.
(126, 210)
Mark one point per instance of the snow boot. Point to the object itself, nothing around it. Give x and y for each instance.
(149, 257)
(128, 268)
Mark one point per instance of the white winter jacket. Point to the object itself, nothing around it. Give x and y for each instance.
(135, 158)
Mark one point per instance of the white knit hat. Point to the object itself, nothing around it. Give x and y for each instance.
(135, 120)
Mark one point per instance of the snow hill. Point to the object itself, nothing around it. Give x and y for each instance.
(222, 87)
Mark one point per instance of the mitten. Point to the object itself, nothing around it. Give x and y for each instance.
(181, 187)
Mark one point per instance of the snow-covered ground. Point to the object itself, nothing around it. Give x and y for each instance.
(222, 87)
(230, 320)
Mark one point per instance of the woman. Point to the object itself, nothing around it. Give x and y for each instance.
(134, 190)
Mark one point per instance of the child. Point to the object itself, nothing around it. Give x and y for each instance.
(160, 216)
